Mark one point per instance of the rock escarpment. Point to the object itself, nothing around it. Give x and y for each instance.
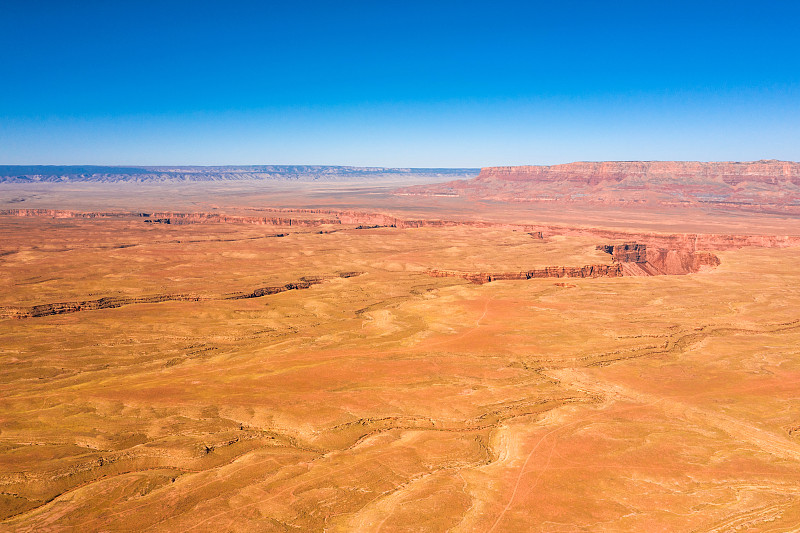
(628, 259)
(108, 302)
(321, 217)
(638, 260)
(641, 254)
(769, 172)
(760, 185)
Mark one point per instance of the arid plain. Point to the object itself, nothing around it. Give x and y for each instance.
(254, 356)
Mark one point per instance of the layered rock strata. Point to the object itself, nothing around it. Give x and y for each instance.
(767, 185)
(637, 259)
(768, 172)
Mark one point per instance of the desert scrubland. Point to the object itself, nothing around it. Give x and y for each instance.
(348, 357)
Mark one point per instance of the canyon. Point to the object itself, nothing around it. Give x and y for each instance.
(331, 354)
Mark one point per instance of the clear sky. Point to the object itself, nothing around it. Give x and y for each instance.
(397, 83)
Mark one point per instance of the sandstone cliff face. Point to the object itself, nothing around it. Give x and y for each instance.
(678, 262)
(640, 260)
(756, 185)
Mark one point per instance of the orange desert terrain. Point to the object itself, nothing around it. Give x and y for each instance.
(594, 347)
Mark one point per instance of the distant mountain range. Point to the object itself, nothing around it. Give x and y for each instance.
(88, 173)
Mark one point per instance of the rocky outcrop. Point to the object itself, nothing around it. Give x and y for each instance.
(628, 259)
(626, 253)
(109, 302)
(637, 259)
(760, 185)
(304, 283)
(672, 263)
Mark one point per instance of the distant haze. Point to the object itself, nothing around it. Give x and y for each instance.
(113, 174)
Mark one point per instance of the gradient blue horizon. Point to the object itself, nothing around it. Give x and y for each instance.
(407, 84)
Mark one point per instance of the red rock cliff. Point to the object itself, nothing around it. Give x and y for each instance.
(758, 184)
(731, 173)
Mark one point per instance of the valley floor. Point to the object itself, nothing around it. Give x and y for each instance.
(369, 395)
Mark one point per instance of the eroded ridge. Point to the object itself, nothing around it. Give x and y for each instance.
(113, 302)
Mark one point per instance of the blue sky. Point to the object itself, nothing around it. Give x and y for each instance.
(390, 83)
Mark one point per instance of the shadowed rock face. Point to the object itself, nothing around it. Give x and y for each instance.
(758, 184)
(626, 253)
